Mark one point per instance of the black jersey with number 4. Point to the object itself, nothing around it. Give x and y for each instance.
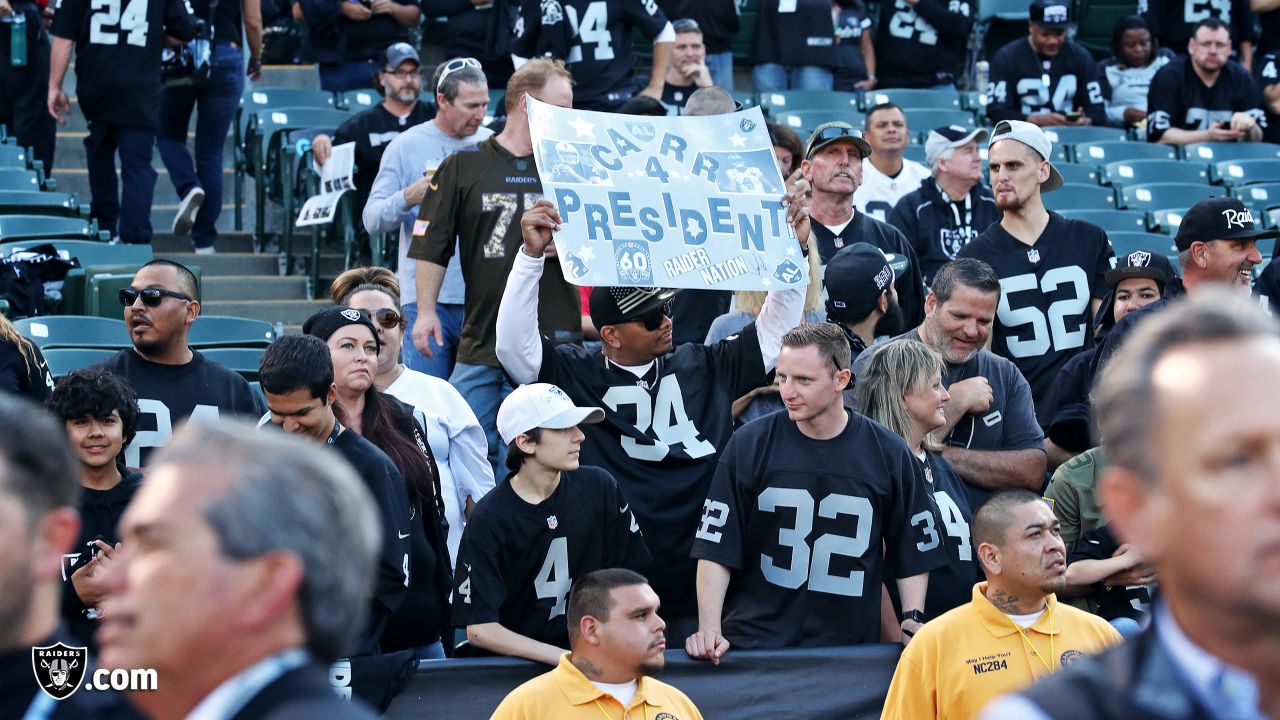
(598, 36)
(1045, 290)
(801, 522)
(517, 560)
(660, 438)
(1024, 83)
(118, 44)
(1179, 99)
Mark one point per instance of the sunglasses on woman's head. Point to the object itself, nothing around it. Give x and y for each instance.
(151, 297)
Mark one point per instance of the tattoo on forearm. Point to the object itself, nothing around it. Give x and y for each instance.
(1008, 604)
(586, 667)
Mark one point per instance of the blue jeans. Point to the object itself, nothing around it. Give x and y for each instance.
(215, 104)
(354, 75)
(1127, 627)
(441, 365)
(484, 387)
(721, 67)
(771, 77)
(124, 209)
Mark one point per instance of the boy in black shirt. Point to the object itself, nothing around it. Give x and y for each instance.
(550, 522)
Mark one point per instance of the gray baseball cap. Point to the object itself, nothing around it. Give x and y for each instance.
(1033, 137)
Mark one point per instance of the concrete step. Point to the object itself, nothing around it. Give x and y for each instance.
(227, 242)
(288, 312)
(69, 151)
(258, 264)
(256, 288)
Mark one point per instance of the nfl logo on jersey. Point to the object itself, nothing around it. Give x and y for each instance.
(1033, 255)
(552, 522)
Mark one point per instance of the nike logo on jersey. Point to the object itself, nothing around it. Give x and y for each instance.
(402, 535)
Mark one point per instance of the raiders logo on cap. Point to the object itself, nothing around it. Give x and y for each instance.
(351, 314)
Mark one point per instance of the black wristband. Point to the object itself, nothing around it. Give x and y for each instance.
(917, 615)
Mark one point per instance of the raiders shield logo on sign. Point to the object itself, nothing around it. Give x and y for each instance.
(59, 669)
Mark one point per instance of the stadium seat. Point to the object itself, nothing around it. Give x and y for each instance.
(1101, 153)
(245, 361)
(1078, 174)
(357, 100)
(74, 331)
(62, 361)
(804, 121)
(914, 99)
(915, 152)
(1218, 151)
(921, 121)
(263, 141)
(1127, 242)
(88, 252)
(1080, 197)
(835, 104)
(745, 99)
(1136, 172)
(223, 331)
(1074, 135)
(1166, 220)
(1267, 246)
(29, 227)
(102, 294)
(254, 101)
(14, 156)
(34, 202)
(1152, 196)
(19, 179)
(1258, 197)
(1111, 220)
(75, 286)
(257, 390)
(1095, 22)
(1243, 172)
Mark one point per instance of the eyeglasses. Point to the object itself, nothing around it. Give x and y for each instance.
(151, 297)
(652, 320)
(685, 25)
(454, 66)
(389, 319)
(403, 74)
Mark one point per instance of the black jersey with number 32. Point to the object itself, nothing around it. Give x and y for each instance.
(1045, 289)
(517, 561)
(802, 523)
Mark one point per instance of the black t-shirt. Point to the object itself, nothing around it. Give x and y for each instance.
(1018, 83)
(594, 38)
(168, 394)
(926, 40)
(851, 23)
(368, 39)
(1045, 290)
(1266, 70)
(100, 512)
(1113, 602)
(118, 54)
(660, 438)
(517, 560)
(24, 373)
(804, 36)
(372, 130)
(1269, 41)
(1267, 288)
(674, 97)
(1173, 22)
(864, 228)
(938, 227)
(951, 585)
(391, 582)
(801, 522)
(1178, 98)
(226, 18)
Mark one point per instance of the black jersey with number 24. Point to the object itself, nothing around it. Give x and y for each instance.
(517, 560)
(801, 522)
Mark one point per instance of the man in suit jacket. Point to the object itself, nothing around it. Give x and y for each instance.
(246, 562)
(1187, 408)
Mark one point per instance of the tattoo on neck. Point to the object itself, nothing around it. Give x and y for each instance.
(587, 668)
(1007, 604)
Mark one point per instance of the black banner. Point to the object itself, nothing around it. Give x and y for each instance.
(841, 682)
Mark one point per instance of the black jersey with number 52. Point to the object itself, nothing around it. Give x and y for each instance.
(1045, 289)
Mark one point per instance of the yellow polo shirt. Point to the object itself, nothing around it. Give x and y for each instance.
(566, 694)
(968, 656)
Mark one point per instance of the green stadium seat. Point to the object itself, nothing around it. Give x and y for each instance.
(744, 41)
(914, 99)
(223, 331)
(1273, 217)
(88, 252)
(245, 361)
(745, 99)
(1218, 151)
(921, 121)
(264, 140)
(357, 100)
(19, 179)
(804, 121)
(1136, 172)
(29, 227)
(1153, 196)
(1079, 174)
(1166, 220)
(1258, 197)
(915, 152)
(1075, 134)
(1101, 153)
(14, 156)
(1095, 21)
(102, 294)
(1110, 220)
(1267, 246)
(75, 286)
(34, 202)
(1080, 197)
(74, 331)
(1127, 242)
(1243, 172)
(63, 361)
(837, 105)
(252, 102)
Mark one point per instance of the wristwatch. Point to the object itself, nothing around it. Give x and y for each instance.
(917, 615)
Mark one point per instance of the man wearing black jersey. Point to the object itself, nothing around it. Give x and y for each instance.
(927, 40)
(1204, 96)
(1267, 75)
(1051, 269)
(118, 89)
(297, 378)
(805, 511)
(172, 380)
(688, 69)
(594, 38)
(833, 169)
(668, 410)
(552, 521)
(1173, 23)
(1045, 79)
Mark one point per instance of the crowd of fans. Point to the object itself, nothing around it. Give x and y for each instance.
(977, 432)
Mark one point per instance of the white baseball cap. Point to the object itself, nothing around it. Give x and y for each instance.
(1033, 137)
(541, 405)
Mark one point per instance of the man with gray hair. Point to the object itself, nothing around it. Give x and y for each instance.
(1187, 407)
(247, 563)
(946, 213)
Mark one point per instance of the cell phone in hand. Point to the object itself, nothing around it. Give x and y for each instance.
(1073, 117)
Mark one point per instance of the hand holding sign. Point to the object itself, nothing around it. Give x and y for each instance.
(536, 226)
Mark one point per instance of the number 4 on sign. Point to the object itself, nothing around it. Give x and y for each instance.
(653, 169)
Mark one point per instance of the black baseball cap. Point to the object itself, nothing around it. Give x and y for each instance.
(619, 304)
(1051, 14)
(1219, 218)
(326, 322)
(1141, 264)
(855, 278)
(834, 131)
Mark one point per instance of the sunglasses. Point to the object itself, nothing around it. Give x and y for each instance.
(454, 66)
(389, 319)
(151, 297)
(652, 320)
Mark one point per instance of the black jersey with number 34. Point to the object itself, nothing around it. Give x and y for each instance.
(517, 560)
(1045, 289)
(801, 522)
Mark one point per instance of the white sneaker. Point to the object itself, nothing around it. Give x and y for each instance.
(205, 250)
(187, 210)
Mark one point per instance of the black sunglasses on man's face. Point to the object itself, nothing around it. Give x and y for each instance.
(151, 297)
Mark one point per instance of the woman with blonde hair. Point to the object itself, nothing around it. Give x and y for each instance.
(22, 367)
(901, 388)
